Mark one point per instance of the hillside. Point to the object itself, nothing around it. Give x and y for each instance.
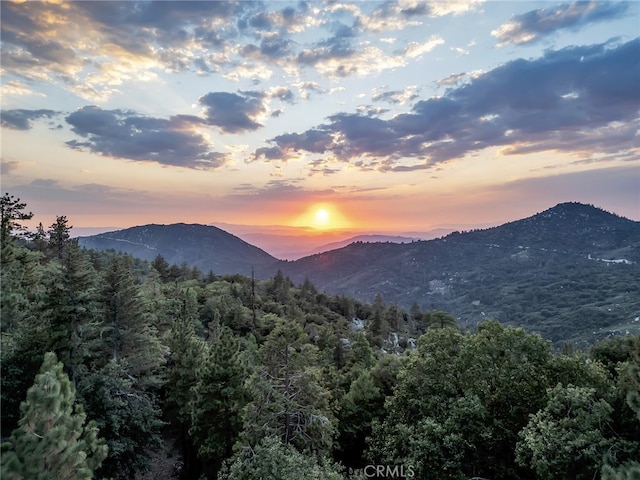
(570, 273)
(363, 238)
(202, 246)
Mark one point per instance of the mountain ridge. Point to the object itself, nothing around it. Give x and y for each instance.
(551, 261)
(571, 272)
(203, 246)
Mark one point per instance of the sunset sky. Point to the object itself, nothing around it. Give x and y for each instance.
(384, 116)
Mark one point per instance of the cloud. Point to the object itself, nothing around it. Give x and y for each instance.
(126, 134)
(398, 97)
(21, 119)
(233, 112)
(567, 100)
(44, 182)
(91, 48)
(7, 167)
(16, 87)
(536, 24)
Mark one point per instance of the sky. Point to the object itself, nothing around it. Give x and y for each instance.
(390, 116)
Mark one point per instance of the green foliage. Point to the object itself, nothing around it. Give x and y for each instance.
(130, 325)
(52, 441)
(11, 215)
(288, 399)
(358, 408)
(463, 398)
(128, 416)
(566, 438)
(272, 459)
(218, 400)
(274, 380)
(187, 355)
(59, 234)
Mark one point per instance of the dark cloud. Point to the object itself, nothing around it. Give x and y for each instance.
(282, 93)
(21, 119)
(531, 26)
(125, 134)
(233, 112)
(336, 47)
(562, 101)
(154, 30)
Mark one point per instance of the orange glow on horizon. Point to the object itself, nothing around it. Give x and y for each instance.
(322, 216)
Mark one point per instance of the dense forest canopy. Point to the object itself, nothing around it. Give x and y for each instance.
(107, 359)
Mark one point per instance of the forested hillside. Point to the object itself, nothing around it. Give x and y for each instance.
(108, 359)
(570, 273)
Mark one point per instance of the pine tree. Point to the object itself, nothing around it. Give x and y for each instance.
(129, 419)
(131, 332)
(52, 441)
(59, 236)
(288, 398)
(11, 215)
(218, 400)
(72, 310)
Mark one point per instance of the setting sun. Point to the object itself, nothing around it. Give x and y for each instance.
(322, 218)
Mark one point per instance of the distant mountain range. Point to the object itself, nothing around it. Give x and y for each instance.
(202, 246)
(293, 243)
(571, 272)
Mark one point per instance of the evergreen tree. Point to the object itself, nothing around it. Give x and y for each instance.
(362, 403)
(440, 319)
(52, 441)
(377, 328)
(11, 215)
(128, 417)
(72, 310)
(288, 398)
(131, 330)
(187, 354)
(59, 236)
(40, 239)
(218, 400)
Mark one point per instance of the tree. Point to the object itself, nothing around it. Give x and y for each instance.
(376, 327)
(461, 401)
(131, 332)
(288, 398)
(187, 354)
(217, 401)
(440, 320)
(40, 239)
(52, 441)
(128, 417)
(161, 266)
(11, 215)
(358, 408)
(566, 438)
(272, 459)
(59, 235)
(71, 308)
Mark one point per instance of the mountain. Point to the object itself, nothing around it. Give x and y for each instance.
(293, 243)
(363, 238)
(570, 273)
(202, 246)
